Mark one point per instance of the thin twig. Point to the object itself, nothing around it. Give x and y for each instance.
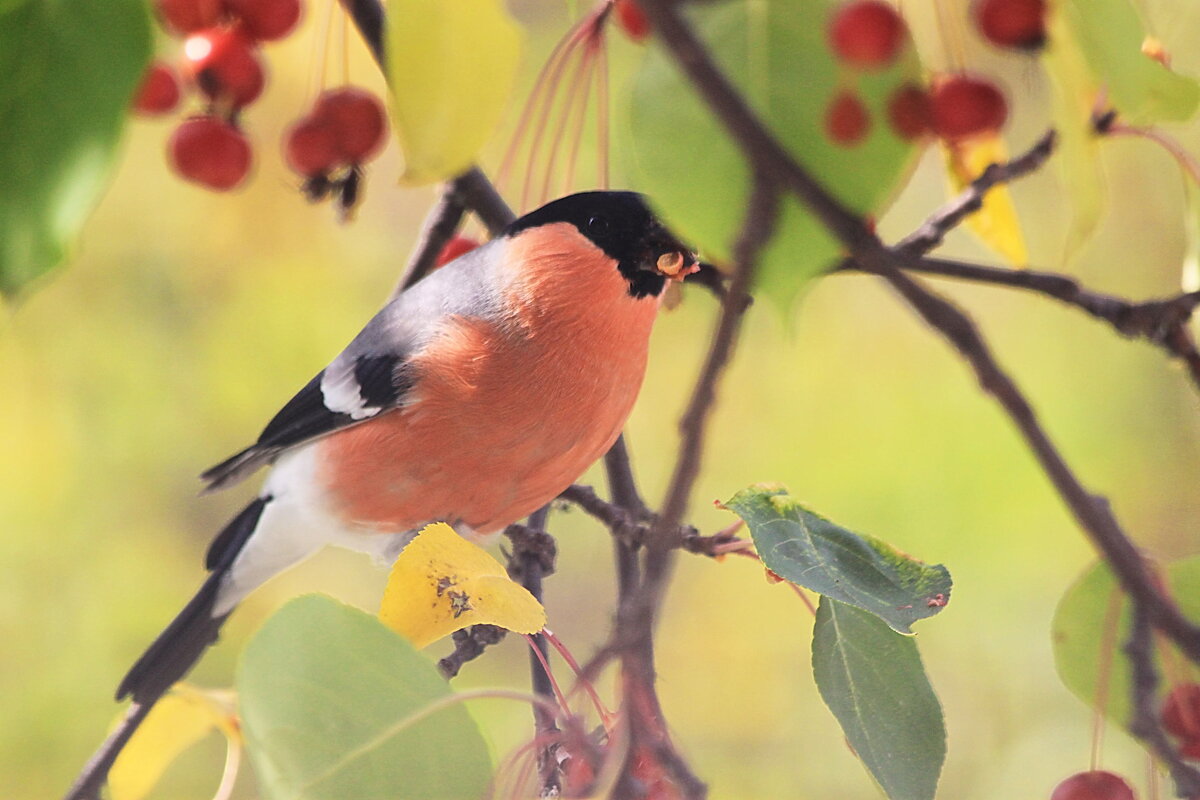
(532, 558)
(469, 644)
(634, 636)
(1092, 512)
(440, 225)
(762, 213)
(628, 529)
(625, 495)
(1162, 322)
(934, 229)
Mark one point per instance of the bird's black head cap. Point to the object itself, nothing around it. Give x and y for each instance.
(620, 224)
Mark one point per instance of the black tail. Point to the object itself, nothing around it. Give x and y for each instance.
(179, 647)
(173, 653)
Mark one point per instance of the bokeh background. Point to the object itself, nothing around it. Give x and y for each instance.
(186, 318)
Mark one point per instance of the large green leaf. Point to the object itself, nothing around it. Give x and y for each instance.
(777, 54)
(1110, 35)
(69, 70)
(1092, 623)
(336, 706)
(863, 571)
(873, 681)
(451, 68)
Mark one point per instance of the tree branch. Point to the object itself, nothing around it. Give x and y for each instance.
(439, 227)
(533, 556)
(760, 148)
(757, 228)
(931, 234)
(634, 635)
(469, 644)
(1162, 322)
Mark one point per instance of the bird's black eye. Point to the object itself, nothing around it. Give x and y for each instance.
(597, 225)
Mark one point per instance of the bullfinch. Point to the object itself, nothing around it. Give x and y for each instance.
(474, 398)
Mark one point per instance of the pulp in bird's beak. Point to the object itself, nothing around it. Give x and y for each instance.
(677, 265)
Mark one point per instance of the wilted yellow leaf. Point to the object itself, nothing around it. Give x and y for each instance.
(996, 223)
(179, 720)
(441, 583)
(451, 67)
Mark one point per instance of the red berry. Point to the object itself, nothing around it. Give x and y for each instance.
(310, 147)
(632, 19)
(962, 106)
(224, 64)
(1190, 749)
(357, 120)
(188, 16)
(159, 92)
(266, 20)
(1096, 785)
(455, 248)
(908, 111)
(846, 119)
(211, 152)
(867, 33)
(1181, 711)
(1020, 24)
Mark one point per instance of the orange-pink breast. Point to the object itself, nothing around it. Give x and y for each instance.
(505, 414)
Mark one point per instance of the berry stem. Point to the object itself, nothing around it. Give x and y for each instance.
(951, 37)
(1108, 651)
(602, 121)
(576, 91)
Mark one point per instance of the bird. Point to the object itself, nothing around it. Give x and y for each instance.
(474, 397)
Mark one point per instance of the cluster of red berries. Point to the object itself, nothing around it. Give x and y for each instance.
(868, 35)
(221, 61)
(328, 146)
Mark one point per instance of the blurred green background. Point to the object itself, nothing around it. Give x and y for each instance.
(186, 319)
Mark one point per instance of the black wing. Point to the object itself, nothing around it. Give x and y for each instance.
(381, 382)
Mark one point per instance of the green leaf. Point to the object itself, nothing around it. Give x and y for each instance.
(1091, 625)
(863, 571)
(69, 71)
(451, 67)
(1110, 35)
(873, 681)
(335, 705)
(777, 54)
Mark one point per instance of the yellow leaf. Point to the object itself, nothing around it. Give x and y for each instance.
(451, 66)
(441, 583)
(179, 720)
(996, 223)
